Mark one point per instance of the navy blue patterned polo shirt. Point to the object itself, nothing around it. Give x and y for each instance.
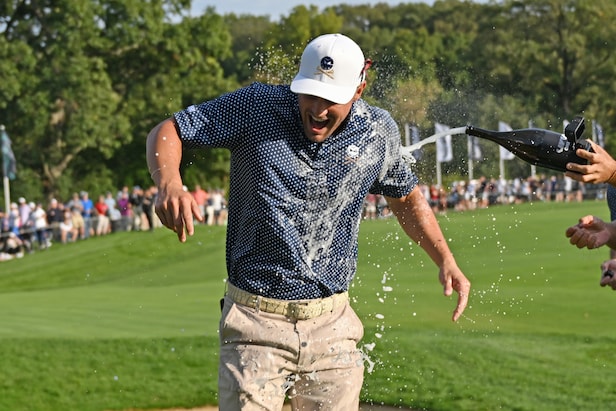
(295, 205)
(611, 201)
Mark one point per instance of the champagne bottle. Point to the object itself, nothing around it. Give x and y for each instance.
(540, 147)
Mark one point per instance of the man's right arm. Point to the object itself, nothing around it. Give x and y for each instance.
(174, 206)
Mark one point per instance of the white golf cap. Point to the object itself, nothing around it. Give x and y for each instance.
(332, 67)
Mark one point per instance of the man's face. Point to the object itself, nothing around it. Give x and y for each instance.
(320, 117)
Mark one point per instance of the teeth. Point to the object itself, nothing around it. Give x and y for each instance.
(318, 120)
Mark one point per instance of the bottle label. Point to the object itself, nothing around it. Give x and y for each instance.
(563, 144)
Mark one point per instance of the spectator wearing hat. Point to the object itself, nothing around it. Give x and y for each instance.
(125, 209)
(39, 222)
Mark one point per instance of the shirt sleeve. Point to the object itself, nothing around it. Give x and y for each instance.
(396, 179)
(220, 122)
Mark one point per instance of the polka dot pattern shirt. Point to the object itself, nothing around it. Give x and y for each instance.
(611, 201)
(294, 205)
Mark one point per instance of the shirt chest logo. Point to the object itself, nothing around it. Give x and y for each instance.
(352, 154)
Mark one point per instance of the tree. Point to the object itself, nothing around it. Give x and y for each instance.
(161, 74)
(551, 50)
(83, 81)
(71, 106)
(105, 72)
(248, 34)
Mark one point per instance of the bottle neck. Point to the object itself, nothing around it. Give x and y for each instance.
(481, 133)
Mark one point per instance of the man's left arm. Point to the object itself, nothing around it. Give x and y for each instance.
(419, 223)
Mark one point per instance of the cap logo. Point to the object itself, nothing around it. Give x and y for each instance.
(326, 67)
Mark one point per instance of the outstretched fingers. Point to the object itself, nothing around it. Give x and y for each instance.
(176, 213)
(463, 287)
(463, 294)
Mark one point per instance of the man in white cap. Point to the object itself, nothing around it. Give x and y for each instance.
(303, 158)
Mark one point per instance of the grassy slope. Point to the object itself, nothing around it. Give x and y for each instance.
(130, 320)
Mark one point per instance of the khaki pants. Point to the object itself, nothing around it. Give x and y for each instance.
(265, 357)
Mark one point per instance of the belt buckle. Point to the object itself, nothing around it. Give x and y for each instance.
(298, 310)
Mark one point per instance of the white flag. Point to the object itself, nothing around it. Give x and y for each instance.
(444, 152)
(504, 153)
(475, 151)
(415, 138)
(8, 157)
(597, 133)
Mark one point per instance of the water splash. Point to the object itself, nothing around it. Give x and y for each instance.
(407, 152)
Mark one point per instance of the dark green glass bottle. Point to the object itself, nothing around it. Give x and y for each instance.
(543, 148)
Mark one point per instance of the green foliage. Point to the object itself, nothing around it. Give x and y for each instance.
(248, 34)
(16, 60)
(84, 82)
(208, 168)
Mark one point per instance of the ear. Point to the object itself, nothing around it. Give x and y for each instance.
(359, 91)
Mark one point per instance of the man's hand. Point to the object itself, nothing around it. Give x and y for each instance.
(452, 279)
(601, 167)
(608, 268)
(591, 232)
(176, 207)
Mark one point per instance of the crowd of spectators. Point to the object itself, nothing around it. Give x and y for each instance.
(484, 192)
(212, 204)
(30, 226)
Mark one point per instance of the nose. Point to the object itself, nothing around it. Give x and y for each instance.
(319, 106)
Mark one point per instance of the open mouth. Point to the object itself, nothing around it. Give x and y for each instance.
(317, 124)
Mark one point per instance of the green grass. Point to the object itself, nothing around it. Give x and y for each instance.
(130, 320)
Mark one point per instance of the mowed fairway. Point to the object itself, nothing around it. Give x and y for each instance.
(130, 320)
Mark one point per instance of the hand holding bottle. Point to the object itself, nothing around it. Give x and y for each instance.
(601, 167)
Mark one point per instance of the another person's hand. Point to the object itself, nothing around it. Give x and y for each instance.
(452, 278)
(608, 274)
(175, 207)
(601, 167)
(591, 232)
